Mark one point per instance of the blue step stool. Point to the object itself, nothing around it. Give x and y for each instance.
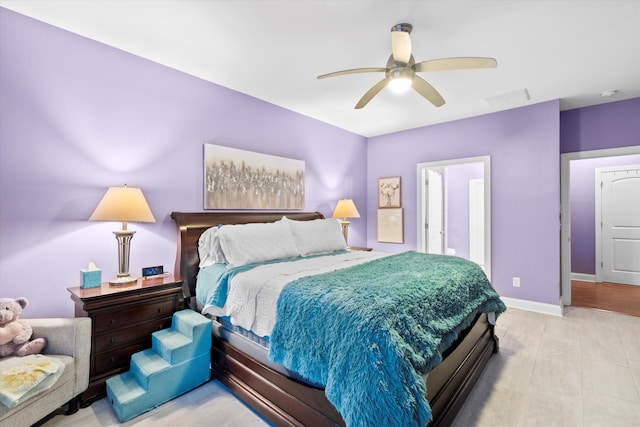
(177, 362)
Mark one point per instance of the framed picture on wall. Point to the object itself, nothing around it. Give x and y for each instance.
(239, 179)
(390, 225)
(389, 192)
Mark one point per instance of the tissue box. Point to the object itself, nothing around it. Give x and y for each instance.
(90, 278)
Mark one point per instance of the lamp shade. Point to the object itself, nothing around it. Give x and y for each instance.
(124, 204)
(346, 209)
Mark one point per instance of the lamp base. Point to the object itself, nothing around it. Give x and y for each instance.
(123, 237)
(126, 280)
(345, 230)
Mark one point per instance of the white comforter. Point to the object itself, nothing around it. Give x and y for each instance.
(253, 294)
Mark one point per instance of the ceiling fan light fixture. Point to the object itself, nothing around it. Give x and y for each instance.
(400, 85)
(400, 79)
(400, 71)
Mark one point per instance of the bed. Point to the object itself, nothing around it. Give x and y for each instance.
(286, 400)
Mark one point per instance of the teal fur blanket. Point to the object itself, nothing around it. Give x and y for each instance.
(366, 333)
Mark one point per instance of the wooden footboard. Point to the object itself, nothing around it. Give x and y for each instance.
(280, 399)
(449, 383)
(287, 403)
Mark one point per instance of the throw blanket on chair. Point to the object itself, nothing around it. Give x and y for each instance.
(366, 333)
(23, 377)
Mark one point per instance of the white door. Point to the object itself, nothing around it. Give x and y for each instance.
(435, 212)
(476, 221)
(620, 225)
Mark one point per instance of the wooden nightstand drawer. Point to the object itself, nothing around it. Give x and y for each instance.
(114, 339)
(116, 359)
(124, 317)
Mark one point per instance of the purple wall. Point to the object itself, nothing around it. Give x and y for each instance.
(78, 116)
(611, 125)
(457, 204)
(525, 173)
(583, 216)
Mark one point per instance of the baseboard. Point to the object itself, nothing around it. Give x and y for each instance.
(538, 307)
(583, 277)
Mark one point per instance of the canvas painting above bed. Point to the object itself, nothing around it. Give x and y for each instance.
(240, 179)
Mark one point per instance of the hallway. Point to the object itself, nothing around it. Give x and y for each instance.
(606, 296)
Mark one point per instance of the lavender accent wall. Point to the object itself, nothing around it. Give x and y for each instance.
(524, 146)
(583, 215)
(77, 116)
(457, 204)
(611, 125)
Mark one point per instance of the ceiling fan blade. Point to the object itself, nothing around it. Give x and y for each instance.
(426, 90)
(401, 46)
(371, 93)
(353, 71)
(461, 63)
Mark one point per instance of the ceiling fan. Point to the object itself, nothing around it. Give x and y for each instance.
(401, 69)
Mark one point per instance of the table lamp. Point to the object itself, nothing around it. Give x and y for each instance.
(345, 209)
(124, 204)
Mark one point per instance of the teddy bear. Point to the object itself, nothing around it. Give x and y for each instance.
(14, 333)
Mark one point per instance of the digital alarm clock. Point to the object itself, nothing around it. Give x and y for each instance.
(152, 271)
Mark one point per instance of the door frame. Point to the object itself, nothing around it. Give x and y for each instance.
(421, 170)
(474, 188)
(429, 210)
(565, 209)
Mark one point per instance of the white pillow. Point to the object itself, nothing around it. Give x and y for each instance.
(244, 244)
(318, 236)
(209, 248)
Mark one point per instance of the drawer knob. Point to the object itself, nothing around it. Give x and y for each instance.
(112, 340)
(112, 321)
(112, 360)
(160, 310)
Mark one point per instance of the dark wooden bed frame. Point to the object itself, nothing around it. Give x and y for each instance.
(287, 402)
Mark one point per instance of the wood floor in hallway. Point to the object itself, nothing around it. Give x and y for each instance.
(606, 296)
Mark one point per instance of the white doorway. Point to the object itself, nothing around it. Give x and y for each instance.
(434, 225)
(476, 221)
(565, 194)
(478, 211)
(618, 225)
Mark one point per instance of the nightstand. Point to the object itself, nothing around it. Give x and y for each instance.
(123, 318)
(358, 248)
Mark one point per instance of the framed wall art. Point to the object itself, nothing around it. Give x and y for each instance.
(390, 225)
(239, 179)
(389, 192)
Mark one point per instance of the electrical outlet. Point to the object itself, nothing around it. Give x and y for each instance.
(516, 282)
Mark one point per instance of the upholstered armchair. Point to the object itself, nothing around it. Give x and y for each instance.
(68, 340)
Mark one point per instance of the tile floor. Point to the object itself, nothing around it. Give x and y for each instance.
(582, 369)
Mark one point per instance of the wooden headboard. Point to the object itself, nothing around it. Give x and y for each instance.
(192, 224)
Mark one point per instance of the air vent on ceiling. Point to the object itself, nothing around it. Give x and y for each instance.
(514, 99)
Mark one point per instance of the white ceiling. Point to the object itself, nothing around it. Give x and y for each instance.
(273, 50)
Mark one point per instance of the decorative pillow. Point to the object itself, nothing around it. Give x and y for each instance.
(209, 248)
(244, 244)
(318, 236)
